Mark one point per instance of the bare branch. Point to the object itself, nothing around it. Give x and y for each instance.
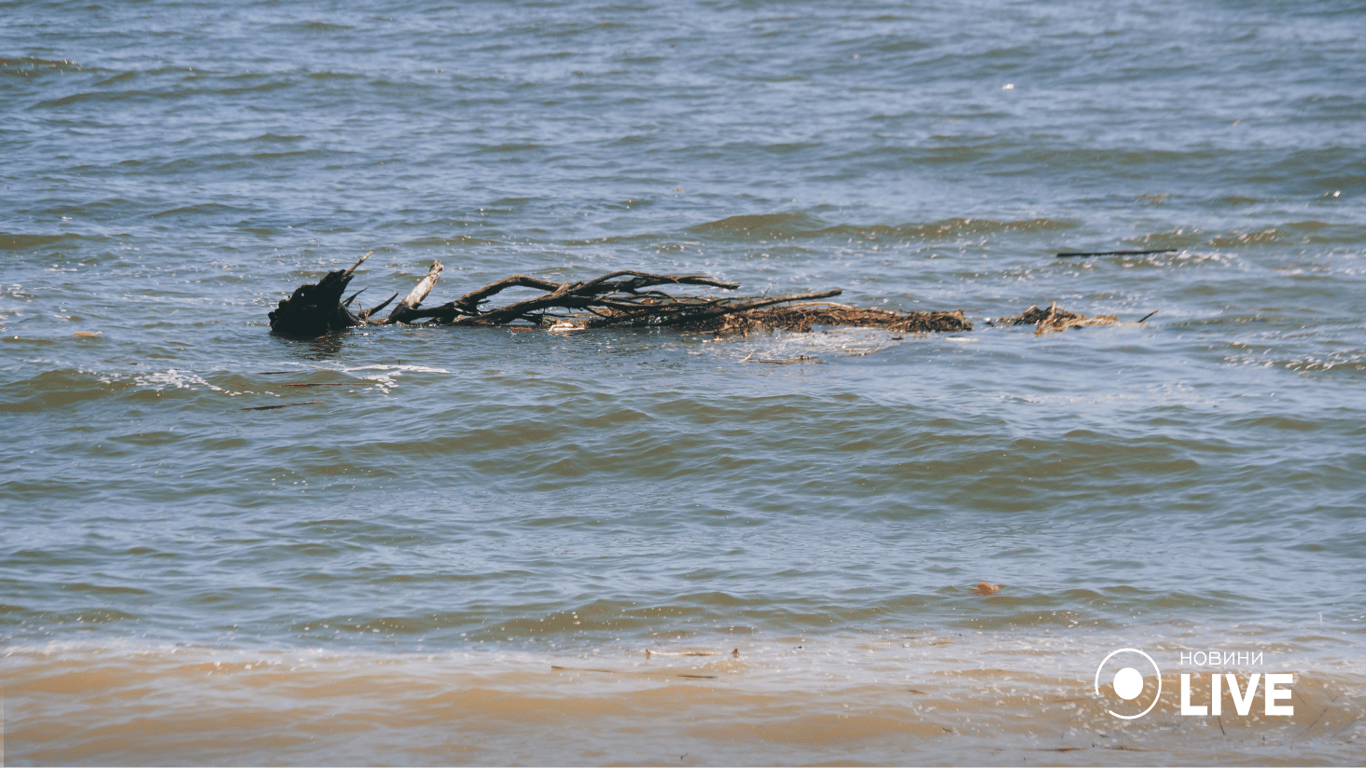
(352, 270)
(471, 300)
(366, 314)
(414, 298)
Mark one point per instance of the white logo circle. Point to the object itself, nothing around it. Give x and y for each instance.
(1128, 683)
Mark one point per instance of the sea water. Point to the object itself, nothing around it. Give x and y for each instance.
(457, 545)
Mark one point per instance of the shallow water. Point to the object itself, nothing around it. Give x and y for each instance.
(442, 517)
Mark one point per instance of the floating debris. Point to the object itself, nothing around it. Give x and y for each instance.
(625, 298)
(802, 317)
(1055, 318)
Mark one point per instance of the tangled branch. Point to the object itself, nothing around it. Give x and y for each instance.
(624, 298)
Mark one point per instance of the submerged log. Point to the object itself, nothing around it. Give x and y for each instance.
(623, 298)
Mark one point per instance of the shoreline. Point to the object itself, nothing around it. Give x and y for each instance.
(885, 698)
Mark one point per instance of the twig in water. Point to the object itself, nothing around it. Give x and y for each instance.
(1115, 253)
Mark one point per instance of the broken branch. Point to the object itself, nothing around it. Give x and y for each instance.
(414, 298)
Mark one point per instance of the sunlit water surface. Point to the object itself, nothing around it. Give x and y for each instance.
(456, 546)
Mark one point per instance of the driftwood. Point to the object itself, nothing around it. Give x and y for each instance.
(1056, 318)
(625, 298)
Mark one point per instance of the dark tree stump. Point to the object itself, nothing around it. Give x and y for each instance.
(316, 309)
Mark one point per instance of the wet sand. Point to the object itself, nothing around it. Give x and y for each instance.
(909, 699)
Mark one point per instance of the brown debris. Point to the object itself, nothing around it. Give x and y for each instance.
(801, 317)
(1055, 318)
(986, 588)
